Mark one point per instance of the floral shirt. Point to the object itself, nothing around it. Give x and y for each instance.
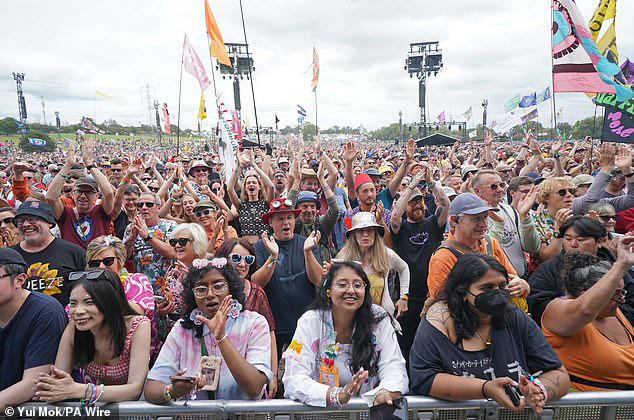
(545, 225)
(249, 333)
(315, 341)
(148, 261)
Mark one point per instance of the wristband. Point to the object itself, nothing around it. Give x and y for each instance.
(221, 340)
(90, 167)
(66, 176)
(405, 297)
(484, 395)
(270, 262)
(125, 180)
(541, 386)
(167, 396)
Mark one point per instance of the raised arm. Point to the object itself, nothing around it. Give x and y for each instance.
(266, 181)
(231, 187)
(396, 218)
(402, 169)
(107, 192)
(349, 155)
(55, 187)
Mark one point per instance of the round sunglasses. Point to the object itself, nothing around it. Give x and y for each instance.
(562, 192)
(108, 261)
(140, 204)
(236, 258)
(206, 212)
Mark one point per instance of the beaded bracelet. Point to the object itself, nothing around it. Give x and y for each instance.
(331, 396)
(167, 396)
(220, 341)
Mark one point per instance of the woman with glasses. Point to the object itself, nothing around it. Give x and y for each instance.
(109, 252)
(255, 193)
(344, 346)
(586, 328)
(240, 253)
(555, 195)
(189, 242)
(9, 234)
(215, 224)
(218, 350)
(106, 342)
(473, 344)
(365, 244)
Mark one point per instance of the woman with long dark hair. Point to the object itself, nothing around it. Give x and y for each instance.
(106, 341)
(235, 342)
(344, 345)
(472, 343)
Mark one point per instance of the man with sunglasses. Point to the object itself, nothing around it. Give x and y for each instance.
(49, 259)
(87, 220)
(116, 171)
(515, 230)
(31, 325)
(145, 239)
(580, 234)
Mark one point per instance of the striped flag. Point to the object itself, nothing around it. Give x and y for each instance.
(441, 117)
(313, 83)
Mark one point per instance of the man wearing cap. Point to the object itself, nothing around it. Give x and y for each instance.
(309, 221)
(415, 239)
(288, 268)
(146, 239)
(86, 220)
(31, 325)
(514, 229)
(53, 170)
(582, 182)
(469, 216)
(49, 259)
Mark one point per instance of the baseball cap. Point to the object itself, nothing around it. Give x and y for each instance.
(582, 179)
(39, 209)
(372, 172)
(449, 192)
(87, 182)
(11, 256)
(469, 203)
(306, 196)
(415, 194)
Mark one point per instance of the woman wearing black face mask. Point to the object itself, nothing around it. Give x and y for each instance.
(472, 343)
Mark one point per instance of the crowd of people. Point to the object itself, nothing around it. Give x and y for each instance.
(317, 272)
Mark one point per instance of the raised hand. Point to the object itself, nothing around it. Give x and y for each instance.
(525, 204)
(607, 154)
(312, 240)
(556, 147)
(410, 150)
(349, 153)
(353, 386)
(88, 149)
(488, 139)
(624, 250)
(623, 159)
(271, 245)
(217, 324)
(561, 216)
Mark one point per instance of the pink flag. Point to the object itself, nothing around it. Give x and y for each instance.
(441, 117)
(165, 119)
(193, 64)
(236, 124)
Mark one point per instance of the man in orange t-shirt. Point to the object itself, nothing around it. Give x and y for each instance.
(468, 214)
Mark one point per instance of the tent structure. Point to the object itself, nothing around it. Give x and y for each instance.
(436, 139)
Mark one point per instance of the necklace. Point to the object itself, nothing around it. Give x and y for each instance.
(486, 342)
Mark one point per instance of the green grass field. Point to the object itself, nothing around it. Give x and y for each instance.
(14, 138)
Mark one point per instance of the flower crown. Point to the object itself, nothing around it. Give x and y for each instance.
(201, 263)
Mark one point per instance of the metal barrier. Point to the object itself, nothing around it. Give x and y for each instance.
(574, 406)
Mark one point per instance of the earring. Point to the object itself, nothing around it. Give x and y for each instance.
(328, 293)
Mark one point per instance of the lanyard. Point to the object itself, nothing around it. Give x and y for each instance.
(211, 395)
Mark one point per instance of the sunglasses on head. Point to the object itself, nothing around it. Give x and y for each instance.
(179, 241)
(90, 275)
(278, 204)
(562, 192)
(505, 171)
(148, 204)
(206, 212)
(108, 261)
(608, 217)
(236, 258)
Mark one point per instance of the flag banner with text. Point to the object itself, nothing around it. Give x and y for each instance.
(618, 127)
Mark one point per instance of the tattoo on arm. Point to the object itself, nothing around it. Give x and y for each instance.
(555, 383)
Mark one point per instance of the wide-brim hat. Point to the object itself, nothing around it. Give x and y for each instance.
(364, 219)
(280, 205)
(198, 164)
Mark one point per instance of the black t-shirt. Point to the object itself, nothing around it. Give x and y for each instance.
(31, 338)
(120, 223)
(289, 290)
(415, 243)
(518, 345)
(48, 269)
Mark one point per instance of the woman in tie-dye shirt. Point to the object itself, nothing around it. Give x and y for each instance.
(215, 325)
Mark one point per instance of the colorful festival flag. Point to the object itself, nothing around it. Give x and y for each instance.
(530, 116)
(528, 100)
(441, 117)
(216, 44)
(301, 111)
(543, 95)
(37, 142)
(468, 113)
(193, 65)
(165, 119)
(578, 65)
(103, 94)
(606, 10)
(313, 83)
(228, 143)
(627, 68)
(202, 109)
(512, 103)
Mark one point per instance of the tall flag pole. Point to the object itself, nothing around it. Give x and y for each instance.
(255, 108)
(314, 82)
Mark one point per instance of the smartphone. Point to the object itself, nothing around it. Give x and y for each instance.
(396, 411)
(183, 378)
(513, 394)
(158, 298)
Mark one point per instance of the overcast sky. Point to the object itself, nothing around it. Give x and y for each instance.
(492, 50)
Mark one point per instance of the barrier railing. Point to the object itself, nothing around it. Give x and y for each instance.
(574, 406)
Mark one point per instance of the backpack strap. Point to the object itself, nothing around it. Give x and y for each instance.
(489, 242)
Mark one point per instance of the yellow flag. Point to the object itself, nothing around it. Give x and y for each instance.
(202, 110)
(606, 10)
(216, 45)
(103, 94)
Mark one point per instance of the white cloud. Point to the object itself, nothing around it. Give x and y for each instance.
(491, 50)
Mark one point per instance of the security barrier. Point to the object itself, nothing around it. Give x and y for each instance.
(574, 406)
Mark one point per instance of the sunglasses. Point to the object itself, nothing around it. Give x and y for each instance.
(206, 212)
(28, 177)
(494, 187)
(83, 192)
(149, 204)
(195, 171)
(607, 217)
(236, 258)
(115, 169)
(108, 261)
(90, 275)
(179, 241)
(153, 189)
(505, 171)
(278, 204)
(562, 192)
(7, 221)
(145, 179)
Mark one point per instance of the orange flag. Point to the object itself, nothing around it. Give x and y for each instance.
(216, 45)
